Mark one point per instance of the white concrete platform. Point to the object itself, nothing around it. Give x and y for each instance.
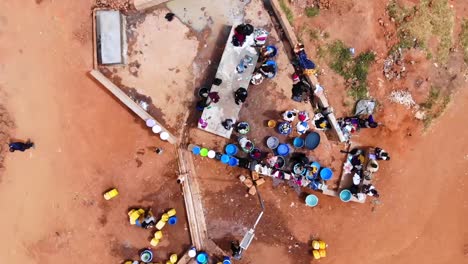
(231, 80)
(109, 37)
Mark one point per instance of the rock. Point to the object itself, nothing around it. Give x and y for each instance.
(248, 183)
(242, 178)
(259, 181)
(255, 176)
(420, 115)
(253, 190)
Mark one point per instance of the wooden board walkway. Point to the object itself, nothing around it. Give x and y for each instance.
(192, 198)
(136, 108)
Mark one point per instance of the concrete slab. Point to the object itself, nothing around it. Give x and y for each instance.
(109, 37)
(231, 81)
(160, 66)
(136, 108)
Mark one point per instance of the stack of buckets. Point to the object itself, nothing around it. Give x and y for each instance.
(319, 249)
(204, 152)
(169, 217)
(157, 129)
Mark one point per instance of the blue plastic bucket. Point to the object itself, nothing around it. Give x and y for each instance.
(345, 195)
(172, 220)
(326, 174)
(196, 150)
(231, 149)
(226, 260)
(225, 159)
(311, 200)
(233, 162)
(202, 258)
(298, 142)
(283, 149)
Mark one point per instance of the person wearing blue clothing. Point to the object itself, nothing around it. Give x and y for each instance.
(21, 146)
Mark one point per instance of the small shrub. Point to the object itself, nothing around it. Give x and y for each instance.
(287, 11)
(464, 39)
(312, 11)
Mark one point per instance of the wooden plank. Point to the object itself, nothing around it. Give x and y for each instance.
(143, 4)
(95, 64)
(293, 40)
(136, 108)
(192, 199)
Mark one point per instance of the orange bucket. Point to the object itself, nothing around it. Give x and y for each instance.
(271, 123)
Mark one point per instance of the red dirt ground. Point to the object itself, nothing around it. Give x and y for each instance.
(88, 142)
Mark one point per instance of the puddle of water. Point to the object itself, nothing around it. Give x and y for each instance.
(202, 13)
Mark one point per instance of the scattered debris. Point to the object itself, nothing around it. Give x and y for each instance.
(122, 5)
(394, 65)
(420, 115)
(402, 97)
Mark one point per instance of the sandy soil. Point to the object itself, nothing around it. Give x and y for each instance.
(86, 142)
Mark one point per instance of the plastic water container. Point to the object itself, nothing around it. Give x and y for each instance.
(172, 220)
(160, 224)
(312, 140)
(233, 162)
(154, 242)
(211, 154)
(196, 150)
(156, 129)
(192, 252)
(164, 136)
(345, 195)
(231, 149)
(316, 254)
(173, 258)
(283, 149)
(164, 217)
(202, 258)
(158, 234)
(171, 212)
(272, 142)
(225, 159)
(150, 122)
(311, 200)
(226, 260)
(326, 174)
(204, 152)
(298, 142)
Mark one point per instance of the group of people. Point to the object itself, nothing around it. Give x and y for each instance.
(301, 90)
(363, 168)
(302, 125)
(351, 125)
